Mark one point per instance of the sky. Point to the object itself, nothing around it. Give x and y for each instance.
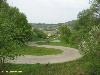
(50, 11)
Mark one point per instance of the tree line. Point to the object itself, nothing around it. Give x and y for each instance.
(85, 34)
(15, 32)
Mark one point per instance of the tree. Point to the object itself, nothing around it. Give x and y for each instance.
(39, 34)
(91, 44)
(90, 47)
(86, 19)
(14, 31)
(65, 33)
(89, 23)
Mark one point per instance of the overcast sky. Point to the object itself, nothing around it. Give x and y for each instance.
(50, 11)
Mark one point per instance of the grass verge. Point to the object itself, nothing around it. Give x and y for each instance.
(39, 51)
(52, 43)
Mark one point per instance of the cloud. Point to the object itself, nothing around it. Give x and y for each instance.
(50, 11)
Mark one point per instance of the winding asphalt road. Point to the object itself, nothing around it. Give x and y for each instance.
(69, 54)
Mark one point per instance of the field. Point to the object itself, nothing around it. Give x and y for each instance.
(55, 44)
(39, 51)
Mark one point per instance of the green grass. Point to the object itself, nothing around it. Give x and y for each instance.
(52, 43)
(56, 44)
(39, 51)
(81, 66)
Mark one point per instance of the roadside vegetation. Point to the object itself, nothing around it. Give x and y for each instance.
(52, 43)
(81, 66)
(38, 35)
(39, 51)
